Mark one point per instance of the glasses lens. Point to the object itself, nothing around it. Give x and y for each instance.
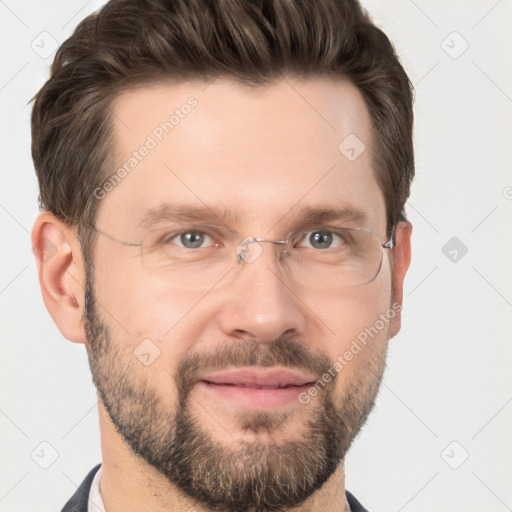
(334, 257)
(199, 258)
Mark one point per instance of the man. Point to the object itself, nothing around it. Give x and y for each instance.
(223, 187)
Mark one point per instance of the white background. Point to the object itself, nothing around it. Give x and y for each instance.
(448, 378)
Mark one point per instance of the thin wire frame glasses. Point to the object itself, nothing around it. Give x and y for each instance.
(198, 256)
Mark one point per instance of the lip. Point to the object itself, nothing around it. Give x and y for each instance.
(270, 378)
(253, 389)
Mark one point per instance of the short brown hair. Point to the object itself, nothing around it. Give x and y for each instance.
(133, 42)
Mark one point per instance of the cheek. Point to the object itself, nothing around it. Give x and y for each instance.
(349, 311)
(136, 300)
(146, 317)
(356, 325)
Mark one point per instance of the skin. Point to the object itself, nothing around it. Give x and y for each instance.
(267, 153)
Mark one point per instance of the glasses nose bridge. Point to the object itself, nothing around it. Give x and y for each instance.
(243, 251)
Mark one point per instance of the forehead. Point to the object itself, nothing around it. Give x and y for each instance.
(263, 152)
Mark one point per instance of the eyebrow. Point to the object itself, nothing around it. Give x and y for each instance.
(169, 212)
(312, 215)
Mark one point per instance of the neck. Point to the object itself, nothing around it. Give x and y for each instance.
(129, 484)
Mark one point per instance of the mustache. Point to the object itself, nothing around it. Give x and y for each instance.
(284, 352)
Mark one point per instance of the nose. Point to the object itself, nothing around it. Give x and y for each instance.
(260, 302)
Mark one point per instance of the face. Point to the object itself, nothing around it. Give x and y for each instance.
(188, 362)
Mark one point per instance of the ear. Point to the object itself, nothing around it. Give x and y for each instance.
(401, 260)
(61, 274)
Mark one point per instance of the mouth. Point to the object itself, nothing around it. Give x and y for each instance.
(254, 387)
(257, 389)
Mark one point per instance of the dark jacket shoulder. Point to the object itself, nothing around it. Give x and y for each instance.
(355, 506)
(80, 500)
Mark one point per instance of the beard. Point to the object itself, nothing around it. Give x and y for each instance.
(267, 473)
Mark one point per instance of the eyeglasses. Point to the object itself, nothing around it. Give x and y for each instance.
(198, 256)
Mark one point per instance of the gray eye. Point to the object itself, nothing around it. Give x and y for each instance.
(321, 239)
(191, 239)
